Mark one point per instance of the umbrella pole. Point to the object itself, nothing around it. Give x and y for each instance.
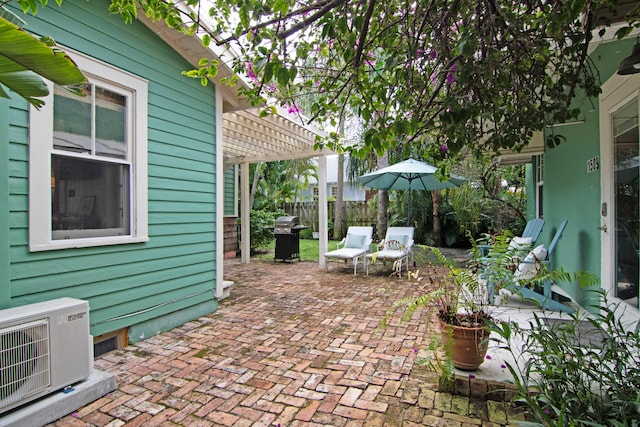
(409, 208)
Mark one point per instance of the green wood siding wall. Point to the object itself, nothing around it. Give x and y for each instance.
(173, 275)
(229, 191)
(5, 286)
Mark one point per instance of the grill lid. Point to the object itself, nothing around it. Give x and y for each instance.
(287, 220)
(284, 224)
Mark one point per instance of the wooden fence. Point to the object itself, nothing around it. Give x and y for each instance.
(353, 213)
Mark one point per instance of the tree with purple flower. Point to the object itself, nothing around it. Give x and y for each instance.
(476, 76)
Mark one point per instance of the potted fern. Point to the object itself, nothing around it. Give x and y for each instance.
(460, 299)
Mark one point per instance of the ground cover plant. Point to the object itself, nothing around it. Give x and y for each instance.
(583, 372)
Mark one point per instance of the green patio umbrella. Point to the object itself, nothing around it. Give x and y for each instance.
(408, 175)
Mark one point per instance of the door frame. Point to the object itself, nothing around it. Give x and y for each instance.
(616, 92)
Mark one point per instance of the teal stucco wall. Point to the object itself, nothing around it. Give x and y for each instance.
(570, 191)
(149, 286)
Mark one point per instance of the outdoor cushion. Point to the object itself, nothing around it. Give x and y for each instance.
(396, 241)
(389, 254)
(345, 253)
(529, 267)
(517, 247)
(355, 241)
(519, 242)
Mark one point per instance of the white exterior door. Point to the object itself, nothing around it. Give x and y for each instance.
(620, 212)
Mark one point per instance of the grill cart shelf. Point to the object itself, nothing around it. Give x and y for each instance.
(287, 232)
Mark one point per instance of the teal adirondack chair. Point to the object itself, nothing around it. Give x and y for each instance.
(533, 229)
(544, 295)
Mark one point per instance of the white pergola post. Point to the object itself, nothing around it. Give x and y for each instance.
(245, 211)
(219, 291)
(323, 222)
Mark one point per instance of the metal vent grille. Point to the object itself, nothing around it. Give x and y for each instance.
(24, 361)
(105, 346)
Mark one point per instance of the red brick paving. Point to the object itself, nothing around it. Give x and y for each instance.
(293, 345)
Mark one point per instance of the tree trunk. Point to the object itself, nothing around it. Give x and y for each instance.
(436, 198)
(383, 200)
(254, 185)
(337, 213)
(498, 190)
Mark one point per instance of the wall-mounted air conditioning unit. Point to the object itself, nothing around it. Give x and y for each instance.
(44, 347)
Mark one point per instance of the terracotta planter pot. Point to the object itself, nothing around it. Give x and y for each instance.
(468, 345)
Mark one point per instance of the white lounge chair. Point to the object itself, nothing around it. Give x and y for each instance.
(353, 247)
(397, 246)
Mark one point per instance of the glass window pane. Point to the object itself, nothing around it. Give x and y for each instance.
(111, 124)
(627, 201)
(89, 198)
(72, 120)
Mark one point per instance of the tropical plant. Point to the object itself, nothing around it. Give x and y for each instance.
(581, 372)
(281, 181)
(26, 61)
(487, 204)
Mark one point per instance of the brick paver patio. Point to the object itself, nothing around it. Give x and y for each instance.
(293, 345)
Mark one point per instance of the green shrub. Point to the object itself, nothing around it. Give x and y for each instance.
(306, 233)
(262, 223)
(563, 383)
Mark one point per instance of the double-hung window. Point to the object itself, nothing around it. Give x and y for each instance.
(539, 177)
(88, 162)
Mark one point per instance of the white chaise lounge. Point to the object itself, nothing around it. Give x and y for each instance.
(397, 247)
(355, 246)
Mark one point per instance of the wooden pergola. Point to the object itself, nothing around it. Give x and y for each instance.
(248, 138)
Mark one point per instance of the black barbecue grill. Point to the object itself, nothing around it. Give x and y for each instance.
(287, 232)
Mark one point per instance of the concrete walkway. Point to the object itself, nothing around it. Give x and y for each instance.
(293, 345)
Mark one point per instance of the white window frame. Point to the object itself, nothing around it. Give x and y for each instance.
(41, 149)
(539, 177)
